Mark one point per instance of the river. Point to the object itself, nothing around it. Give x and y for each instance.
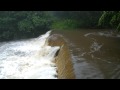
(95, 53)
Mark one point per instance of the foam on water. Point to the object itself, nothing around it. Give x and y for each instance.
(103, 33)
(28, 59)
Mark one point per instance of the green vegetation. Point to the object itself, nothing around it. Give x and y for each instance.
(65, 24)
(76, 19)
(28, 24)
(23, 24)
(110, 19)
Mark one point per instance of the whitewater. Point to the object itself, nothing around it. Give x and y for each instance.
(28, 59)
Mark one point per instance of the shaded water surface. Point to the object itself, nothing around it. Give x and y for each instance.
(95, 53)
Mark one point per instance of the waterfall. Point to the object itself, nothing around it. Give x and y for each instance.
(28, 59)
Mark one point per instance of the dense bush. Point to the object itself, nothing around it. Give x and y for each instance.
(80, 19)
(110, 19)
(23, 24)
(65, 24)
(27, 24)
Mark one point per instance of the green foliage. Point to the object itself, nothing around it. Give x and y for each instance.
(80, 19)
(6, 22)
(118, 27)
(41, 22)
(65, 24)
(25, 25)
(102, 19)
(105, 19)
(19, 24)
(110, 19)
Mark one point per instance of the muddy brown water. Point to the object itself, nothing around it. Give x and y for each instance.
(95, 53)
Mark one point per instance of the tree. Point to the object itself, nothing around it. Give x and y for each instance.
(18, 24)
(110, 19)
(79, 19)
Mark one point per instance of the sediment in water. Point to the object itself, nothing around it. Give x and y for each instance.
(63, 58)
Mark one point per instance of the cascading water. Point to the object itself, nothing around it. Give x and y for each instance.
(28, 59)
